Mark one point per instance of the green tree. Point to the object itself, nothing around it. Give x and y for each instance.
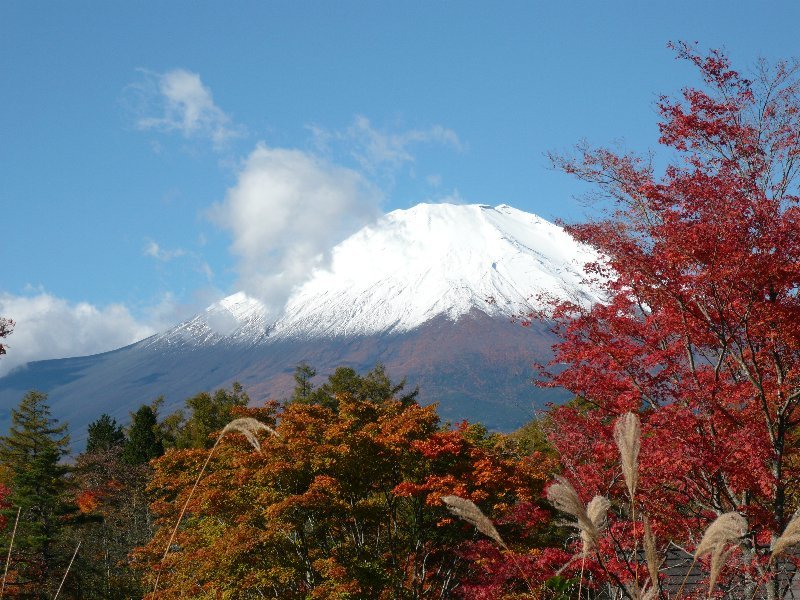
(104, 433)
(32, 452)
(375, 387)
(144, 437)
(207, 415)
(303, 374)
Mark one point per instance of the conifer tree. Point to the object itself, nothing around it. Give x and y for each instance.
(208, 414)
(104, 434)
(32, 452)
(374, 387)
(303, 374)
(144, 440)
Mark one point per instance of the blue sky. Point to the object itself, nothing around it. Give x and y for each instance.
(155, 156)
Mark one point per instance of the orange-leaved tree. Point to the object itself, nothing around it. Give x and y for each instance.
(344, 502)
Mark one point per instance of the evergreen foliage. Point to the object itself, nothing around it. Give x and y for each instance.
(208, 414)
(104, 434)
(144, 438)
(303, 373)
(375, 387)
(32, 452)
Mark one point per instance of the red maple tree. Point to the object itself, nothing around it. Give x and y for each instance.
(701, 331)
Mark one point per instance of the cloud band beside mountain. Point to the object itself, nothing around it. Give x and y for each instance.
(286, 212)
(50, 327)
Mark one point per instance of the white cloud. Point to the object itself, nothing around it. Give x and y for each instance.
(434, 180)
(154, 250)
(184, 105)
(454, 197)
(51, 327)
(286, 212)
(375, 149)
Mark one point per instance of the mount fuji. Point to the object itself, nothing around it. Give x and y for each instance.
(430, 292)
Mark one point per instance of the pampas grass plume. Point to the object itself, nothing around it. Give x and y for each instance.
(726, 528)
(469, 512)
(790, 536)
(650, 553)
(248, 427)
(590, 520)
(597, 510)
(718, 558)
(564, 497)
(628, 436)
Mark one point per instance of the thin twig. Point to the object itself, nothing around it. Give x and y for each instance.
(248, 427)
(180, 516)
(69, 566)
(10, 546)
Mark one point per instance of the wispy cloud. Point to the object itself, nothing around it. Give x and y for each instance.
(50, 327)
(286, 212)
(377, 149)
(178, 101)
(154, 250)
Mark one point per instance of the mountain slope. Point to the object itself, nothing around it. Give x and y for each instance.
(428, 291)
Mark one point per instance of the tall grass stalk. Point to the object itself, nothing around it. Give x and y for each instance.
(726, 529)
(10, 546)
(790, 536)
(718, 558)
(589, 519)
(628, 437)
(468, 511)
(69, 566)
(651, 554)
(249, 428)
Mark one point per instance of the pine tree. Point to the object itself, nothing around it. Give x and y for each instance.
(375, 387)
(32, 452)
(303, 374)
(208, 414)
(104, 434)
(144, 439)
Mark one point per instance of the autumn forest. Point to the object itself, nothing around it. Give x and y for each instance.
(674, 472)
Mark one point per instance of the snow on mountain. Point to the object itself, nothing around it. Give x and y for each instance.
(437, 259)
(237, 319)
(410, 267)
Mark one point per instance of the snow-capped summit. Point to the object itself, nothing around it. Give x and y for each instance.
(410, 267)
(238, 319)
(437, 259)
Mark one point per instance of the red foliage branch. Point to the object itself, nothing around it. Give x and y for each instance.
(701, 331)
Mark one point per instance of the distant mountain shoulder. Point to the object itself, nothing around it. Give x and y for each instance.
(429, 291)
